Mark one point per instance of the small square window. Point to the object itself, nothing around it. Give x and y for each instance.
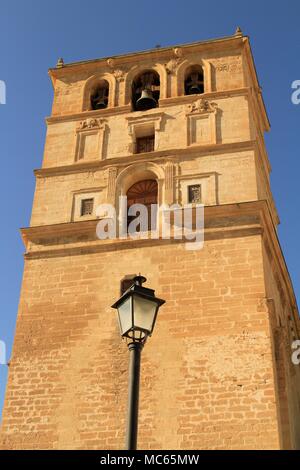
(194, 193)
(145, 144)
(87, 206)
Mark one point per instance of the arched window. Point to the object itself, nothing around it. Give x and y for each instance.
(99, 95)
(145, 91)
(194, 80)
(143, 192)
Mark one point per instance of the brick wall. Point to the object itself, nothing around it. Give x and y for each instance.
(207, 375)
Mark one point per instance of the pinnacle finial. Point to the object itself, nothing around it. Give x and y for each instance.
(60, 62)
(238, 31)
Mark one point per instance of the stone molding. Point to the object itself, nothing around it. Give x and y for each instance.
(90, 128)
(191, 152)
(221, 221)
(202, 112)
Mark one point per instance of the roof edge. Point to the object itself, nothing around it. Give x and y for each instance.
(233, 37)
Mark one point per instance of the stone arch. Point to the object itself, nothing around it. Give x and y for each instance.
(137, 70)
(92, 82)
(181, 70)
(138, 172)
(134, 174)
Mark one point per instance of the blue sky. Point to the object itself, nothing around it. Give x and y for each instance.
(33, 34)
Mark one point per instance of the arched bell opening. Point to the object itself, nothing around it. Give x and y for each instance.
(194, 80)
(144, 192)
(145, 91)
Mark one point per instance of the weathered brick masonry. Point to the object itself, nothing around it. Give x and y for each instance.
(217, 373)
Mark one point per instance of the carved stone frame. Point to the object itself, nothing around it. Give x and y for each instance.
(201, 109)
(87, 128)
(77, 198)
(139, 125)
(209, 187)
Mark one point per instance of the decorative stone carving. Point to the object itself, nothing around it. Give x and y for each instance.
(224, 67)
(172, 65)
(91, 124)
(111, 63)
(178, 52)
(111, 184)
(169, 183)
(119, 75)
(201, 106)
(169, 175)
(201, 122)
(231, 66)
(89, 139)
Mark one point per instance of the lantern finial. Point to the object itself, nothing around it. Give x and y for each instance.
(139, 280)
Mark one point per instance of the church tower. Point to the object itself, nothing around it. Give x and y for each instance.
(176, 125)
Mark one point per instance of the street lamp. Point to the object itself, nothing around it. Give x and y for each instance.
(137, 312)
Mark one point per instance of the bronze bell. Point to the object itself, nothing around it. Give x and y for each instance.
(194, 89)
(194, 86)
(99, 101)
(146, 100)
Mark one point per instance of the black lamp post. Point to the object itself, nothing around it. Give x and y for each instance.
(137, 312)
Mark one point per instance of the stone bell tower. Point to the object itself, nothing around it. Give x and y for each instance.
(171, 125)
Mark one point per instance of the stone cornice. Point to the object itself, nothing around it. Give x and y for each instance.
(40, 239)
(212, 45)
(221, 94)
(221, 221)
(88, 114)
(186, 152)
(173, 101)
(58, 230)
